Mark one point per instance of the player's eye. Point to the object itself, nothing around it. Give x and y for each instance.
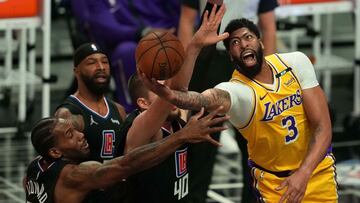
(249, 36)
(91, 62)
(235, 42)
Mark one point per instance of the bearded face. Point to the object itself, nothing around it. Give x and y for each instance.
(249, 62)
(246, 51)
(98, 83)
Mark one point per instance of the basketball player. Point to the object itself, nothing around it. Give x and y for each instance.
(278, 106)
(207, 74)
(60, 174)
(156, 120)
(98, 117)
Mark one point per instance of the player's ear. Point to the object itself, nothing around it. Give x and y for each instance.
(262, 45)
(231, 58)
(76, 70)
(143, 103)
(55, 153)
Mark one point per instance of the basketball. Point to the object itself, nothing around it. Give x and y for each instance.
(159, 55)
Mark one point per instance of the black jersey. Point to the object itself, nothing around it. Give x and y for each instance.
(164, 183)
(101, 132)
(40, 183)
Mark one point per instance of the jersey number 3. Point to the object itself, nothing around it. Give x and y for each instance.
(290, 123)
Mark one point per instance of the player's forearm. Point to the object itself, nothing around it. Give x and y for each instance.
(96, 175)
(182, 79)
(210, 100)
(267, 24)
(318, 147)
(152, 154)
(189, 100)
(317, 112)
(186, 24)
(151, 120)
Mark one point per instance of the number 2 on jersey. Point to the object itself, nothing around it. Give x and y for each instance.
(290, 123)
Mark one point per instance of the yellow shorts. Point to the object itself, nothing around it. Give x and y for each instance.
(322, 186)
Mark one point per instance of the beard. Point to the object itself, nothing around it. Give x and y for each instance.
(250, 71)
(94, 87)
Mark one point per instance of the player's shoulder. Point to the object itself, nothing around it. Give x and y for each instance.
(296, 55)
(236, 87)
(121, 110)
(63, 112)
(296, 59)
(232, 84)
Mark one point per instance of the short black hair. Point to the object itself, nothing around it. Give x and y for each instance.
(137, 88)
(84, 51)
(42, 137)
(237, 24)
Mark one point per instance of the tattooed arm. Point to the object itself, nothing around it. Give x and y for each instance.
(210, 99)
(87, 176)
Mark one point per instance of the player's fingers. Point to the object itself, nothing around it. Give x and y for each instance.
(220, 14)
(212, 14)
(205, 18)
(223, 36)
(216, 129)
(218, 120)
(199, 114)
(299, 198)
(212, 141)
(213, 113)
(281, 186)
(284, 197)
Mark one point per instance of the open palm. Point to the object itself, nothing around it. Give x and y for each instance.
(207, 33)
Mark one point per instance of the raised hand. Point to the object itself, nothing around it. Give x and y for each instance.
(207, 33)
(199, 128)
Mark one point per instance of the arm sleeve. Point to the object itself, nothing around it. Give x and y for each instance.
(242, 102)
(267, 5)
(302, 67)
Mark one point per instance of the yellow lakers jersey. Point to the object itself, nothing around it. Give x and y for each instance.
(278, 132)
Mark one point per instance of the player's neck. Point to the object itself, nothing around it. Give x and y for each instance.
(86, 95)
(265, 75)
(96, 103)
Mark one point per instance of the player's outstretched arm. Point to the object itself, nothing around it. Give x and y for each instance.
(204, 36)
(210, 99)
(91, 175)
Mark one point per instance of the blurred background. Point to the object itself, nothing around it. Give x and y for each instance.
(37, 41)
